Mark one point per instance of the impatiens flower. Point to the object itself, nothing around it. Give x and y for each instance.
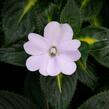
(54, 53)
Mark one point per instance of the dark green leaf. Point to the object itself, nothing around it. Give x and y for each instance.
(99, 101)
(16, 32)
(57, 99)
(14, 55)
(99, 33)
(32, 90)
(13, 101)
(71, 15)
(84, 50)
(90, 8)
(13, 30)
(100, 52)
(87, 75)
(28, 6)
(41, 18)
(52, 12)
(100, 49)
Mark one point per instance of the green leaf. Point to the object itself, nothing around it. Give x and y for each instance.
(84, 50)
(10, 100)
(13, 55)
(90, 9)
(50, 88)
(27, 7)
(100, 51)
(84, 3)
(12, 51)
(99, 101)
(13, 31)
(33, 91)
(52, 12)
(87, 75)
(42, 17)
(100, 48)
(87, 39)
(71, 15)
(98, 33)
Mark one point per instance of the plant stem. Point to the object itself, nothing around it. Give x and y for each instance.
(59, 82)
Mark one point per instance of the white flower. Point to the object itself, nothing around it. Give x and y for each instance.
(54, 53)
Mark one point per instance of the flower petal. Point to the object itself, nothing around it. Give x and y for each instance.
(76, 55)
(66, 32)
(32, 49)
(71, 56)
(66, 67)
(33, 63)
(56, 32)
(44, 64)
(38, 40)
(52, 32)
(53, 68)
(36, 45)
(33, 36)
(68, 46)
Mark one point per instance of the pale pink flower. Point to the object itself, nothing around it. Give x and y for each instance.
(54, 53)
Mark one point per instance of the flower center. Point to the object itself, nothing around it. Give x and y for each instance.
(53, 51)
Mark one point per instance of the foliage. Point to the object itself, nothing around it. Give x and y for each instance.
(13, 101)
(20, 17)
